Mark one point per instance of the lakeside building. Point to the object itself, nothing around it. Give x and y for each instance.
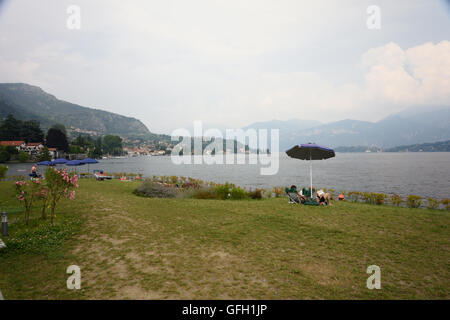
(32, 148)
(19, 145)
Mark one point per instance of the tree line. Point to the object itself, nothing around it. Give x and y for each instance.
(12, 129)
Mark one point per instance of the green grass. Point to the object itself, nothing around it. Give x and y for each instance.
(131, 247)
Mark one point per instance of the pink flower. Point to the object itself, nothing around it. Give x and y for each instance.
(72, 195)
(20, 198)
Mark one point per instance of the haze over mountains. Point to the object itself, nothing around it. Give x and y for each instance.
(405, 128)
(412, 126)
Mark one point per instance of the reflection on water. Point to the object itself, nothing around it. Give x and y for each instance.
(424, 174)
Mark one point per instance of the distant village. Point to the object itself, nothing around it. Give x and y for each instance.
(138, 147)
(24, 141)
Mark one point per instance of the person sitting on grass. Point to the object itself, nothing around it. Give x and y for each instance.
(324, 198)
(303, 195)
(293, 189)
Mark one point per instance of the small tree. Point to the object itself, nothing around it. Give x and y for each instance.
(23, 156)
(413, 201)
(446, 203)
(433, 203)
(44, 155)
(4, 155)
(59, 185)
(27, 192)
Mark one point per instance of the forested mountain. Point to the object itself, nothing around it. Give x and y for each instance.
(26, 102)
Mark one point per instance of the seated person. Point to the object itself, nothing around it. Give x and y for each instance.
(324, 198)
(292, 189)
(34, 173)
(303, 195)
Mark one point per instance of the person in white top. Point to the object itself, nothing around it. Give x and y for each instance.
(324, 198)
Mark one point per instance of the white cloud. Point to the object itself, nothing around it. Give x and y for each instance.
(417, 76)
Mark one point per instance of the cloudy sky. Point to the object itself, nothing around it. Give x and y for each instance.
(231, 62)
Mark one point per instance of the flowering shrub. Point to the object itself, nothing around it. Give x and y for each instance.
(354, 196)
(27, 193)
(396, 200)
(433, 203)
(446, 203)
(278, 191)
(60, 184)
(413, 201)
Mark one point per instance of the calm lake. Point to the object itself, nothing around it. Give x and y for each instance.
(422, 173)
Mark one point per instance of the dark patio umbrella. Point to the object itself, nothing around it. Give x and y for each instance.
(310, 152)
(74, 163)
(88, 161)
(45, 163)
(60, 161)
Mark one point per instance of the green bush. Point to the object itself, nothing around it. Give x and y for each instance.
(446, 203)
(4, 156)
(413, 201)
(432, 203)
(23, 156)
(354, 196)
(256, 194)
(3, 170)
(379, 198)
(156, 190)
(205, 193)
(239, 193)
(223, 191)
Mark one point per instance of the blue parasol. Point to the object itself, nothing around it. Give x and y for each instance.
(60, 161)
(74, 163)
(45, 163)
(88, 161)
(310, 151)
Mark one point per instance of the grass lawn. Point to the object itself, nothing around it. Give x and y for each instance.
(130, 247)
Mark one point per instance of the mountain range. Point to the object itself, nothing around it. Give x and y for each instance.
(405, 128)
(412, 126)
(26, 102)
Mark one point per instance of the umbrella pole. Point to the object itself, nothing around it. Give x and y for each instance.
(310, 173)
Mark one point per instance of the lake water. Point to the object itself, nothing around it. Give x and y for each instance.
(424, 174)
